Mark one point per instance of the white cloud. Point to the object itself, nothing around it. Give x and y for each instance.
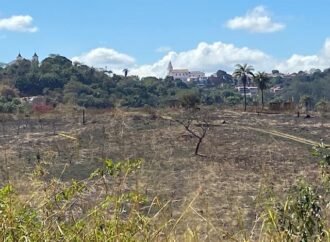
(299, 63)
(307, 62)
(257, 20)
(20, 23)
(326, 48)
(101, 57)
(205, 57)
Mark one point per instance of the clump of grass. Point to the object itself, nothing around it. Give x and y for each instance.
(53, 214)
(304, 214)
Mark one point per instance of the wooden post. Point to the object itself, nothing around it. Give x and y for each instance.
(84, 118)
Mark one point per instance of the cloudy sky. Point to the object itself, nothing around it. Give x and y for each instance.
(144, 35)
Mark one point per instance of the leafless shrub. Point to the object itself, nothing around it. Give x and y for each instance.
(196, 122)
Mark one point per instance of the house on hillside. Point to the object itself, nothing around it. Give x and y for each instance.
(184, 74)
(276, 89)
(250, 90)
(34, 100)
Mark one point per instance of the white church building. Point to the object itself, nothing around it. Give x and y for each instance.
(184, 74)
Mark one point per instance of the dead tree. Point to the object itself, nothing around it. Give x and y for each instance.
(197, 126)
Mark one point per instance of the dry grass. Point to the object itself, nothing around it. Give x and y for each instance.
(224, 186)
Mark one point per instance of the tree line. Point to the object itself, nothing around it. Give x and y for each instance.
(60, 80)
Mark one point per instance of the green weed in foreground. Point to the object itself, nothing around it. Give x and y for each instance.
(104, 208)
(304, 214)
(114, 216)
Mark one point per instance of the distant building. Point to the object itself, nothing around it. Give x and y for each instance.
(184, 74)
(276, 89)
(250, 91)
(19, 57)
(34, 60)
(34, 100)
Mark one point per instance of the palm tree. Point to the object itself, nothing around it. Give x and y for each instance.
(125, 71)
(108, 72)
(306, 100)
(243, 73)
(262, 79)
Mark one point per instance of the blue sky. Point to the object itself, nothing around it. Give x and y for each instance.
(144, 35)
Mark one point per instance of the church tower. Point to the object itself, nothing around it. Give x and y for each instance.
(35, 59)
(170, 68)
(19, 57)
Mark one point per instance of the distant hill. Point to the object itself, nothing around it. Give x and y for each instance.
(2, 64)
(62, 81)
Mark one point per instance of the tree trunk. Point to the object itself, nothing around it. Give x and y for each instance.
(83, 117)
(262, 99)
(244, 87)
(198, 145)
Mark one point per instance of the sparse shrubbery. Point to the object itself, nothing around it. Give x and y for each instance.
(9, 101)
(304, 214)
(189, 99)
(55, 214)
(71, 211)
(300, 217)
(10, 106)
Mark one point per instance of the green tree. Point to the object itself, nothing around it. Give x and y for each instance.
(8, 92)
(55, 63)
(189, 99)
(323, 107)
(51, 80)
(29, 84)
(243, 73)
(262, 80)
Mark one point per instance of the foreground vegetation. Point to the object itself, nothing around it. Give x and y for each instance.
(57, 211)
(58, 199)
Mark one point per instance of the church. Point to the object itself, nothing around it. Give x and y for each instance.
(34, 59)
(184, 74)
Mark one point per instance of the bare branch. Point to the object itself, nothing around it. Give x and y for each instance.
(201, 123)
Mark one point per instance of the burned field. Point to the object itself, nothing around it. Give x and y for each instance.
(224, 183)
